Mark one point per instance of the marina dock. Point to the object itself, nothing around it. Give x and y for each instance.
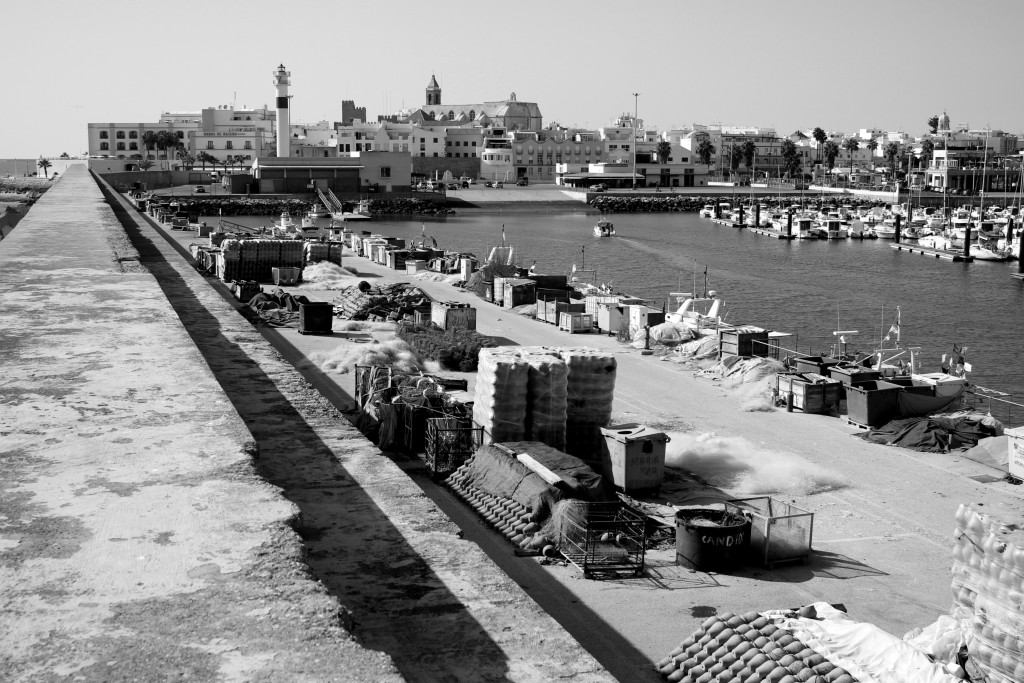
(726, 222)
(772, 233)
(946, 255)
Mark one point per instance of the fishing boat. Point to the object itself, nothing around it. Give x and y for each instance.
(286, 227)
(884, 230)
(318, 211)
(604, 228)
(982, 252)
(707, 211)
(361, 212)
(832, 228)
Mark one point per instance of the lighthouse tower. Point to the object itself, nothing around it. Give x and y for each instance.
(282, 79)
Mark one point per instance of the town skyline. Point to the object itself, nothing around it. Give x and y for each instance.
(840, 71)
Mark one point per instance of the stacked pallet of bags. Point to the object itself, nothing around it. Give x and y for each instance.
(988, 592)
(323, 251)
(589, 394)
(499, 405)
(546, 396)
(268, 255)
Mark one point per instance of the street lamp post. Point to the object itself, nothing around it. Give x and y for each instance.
(636, 109)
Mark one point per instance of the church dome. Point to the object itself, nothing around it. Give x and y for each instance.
(944, 121)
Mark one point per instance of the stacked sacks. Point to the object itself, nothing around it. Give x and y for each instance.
(747, 648)
(228, 263)
(499, 405)
(546, 397)
(590, 391)
(988, 592)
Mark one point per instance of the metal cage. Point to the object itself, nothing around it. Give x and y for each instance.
(450, 442)
(779, 532)
(604, 539)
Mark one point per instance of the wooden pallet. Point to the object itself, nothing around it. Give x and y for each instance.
(858, 425)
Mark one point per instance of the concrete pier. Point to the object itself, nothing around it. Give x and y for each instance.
(935, 253)
(179, 502)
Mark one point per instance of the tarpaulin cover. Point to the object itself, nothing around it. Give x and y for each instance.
(931, 434)
(864, 650)
(919, 405)
(494, 471)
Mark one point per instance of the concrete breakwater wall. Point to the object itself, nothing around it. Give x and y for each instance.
(682, 203)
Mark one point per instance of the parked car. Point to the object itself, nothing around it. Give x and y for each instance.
(465, 184)
(488, 183)
(523, 182)
(499, 184)
(453, 186)
(600, 187)
(199, 189)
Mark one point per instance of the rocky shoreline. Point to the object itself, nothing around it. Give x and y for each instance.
(256, 206)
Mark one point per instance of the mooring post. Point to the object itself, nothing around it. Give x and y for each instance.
(967, 241)
(789, 223)
(897, 235)
(741, 215)
(757, 216)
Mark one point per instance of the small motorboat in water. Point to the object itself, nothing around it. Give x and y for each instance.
(604, 228)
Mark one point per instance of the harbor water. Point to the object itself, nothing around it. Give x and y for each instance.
(809, 288)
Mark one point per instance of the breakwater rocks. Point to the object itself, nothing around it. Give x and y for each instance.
(256, 206)
(241, 206)
(407, 205)
(679, 203)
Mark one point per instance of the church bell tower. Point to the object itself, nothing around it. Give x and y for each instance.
(433, 92)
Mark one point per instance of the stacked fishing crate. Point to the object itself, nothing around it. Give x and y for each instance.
(256, 259)
(558, 396)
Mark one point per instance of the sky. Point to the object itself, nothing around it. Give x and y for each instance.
(788, 64)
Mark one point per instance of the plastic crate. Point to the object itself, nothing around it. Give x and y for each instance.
(285, 276)
(779, 532)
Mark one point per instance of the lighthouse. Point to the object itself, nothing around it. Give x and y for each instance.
(282, 79)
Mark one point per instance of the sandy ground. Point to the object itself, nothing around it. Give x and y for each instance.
(883, 516)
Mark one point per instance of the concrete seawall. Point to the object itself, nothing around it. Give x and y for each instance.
(178, 502)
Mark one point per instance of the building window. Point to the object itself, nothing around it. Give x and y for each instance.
(435, 154)
(229, 145)
(119, 135)
(474, 155)
(248, 144)
(133, 135)
(104, 146)
(385, 171)
(472, 114)
(181, 135)
(133, 145)
(435, 142)
(120, 147)
(103, 135)
(209, 144)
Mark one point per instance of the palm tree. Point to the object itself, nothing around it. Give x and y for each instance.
(927, 151)
(820, 136)
(749, 150)
(205, 157)
(891, 152)
(149, 139)
(851, 145)
(43, 164)
(145, 164)
(705, 152)
(186, 159)
(664, 150)
(790, 158)
(830, 150)
(872, 145)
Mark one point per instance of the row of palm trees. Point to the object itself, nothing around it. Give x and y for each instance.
(745, 153)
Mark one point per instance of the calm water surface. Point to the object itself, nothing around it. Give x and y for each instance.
(803, 287)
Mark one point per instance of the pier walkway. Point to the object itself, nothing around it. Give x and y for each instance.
(175, 494)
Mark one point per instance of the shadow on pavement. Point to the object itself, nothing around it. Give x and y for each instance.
(398, 604)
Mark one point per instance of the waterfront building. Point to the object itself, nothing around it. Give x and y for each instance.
(508, 113)
(360, 173)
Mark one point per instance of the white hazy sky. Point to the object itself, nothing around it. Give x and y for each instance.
(790, 64)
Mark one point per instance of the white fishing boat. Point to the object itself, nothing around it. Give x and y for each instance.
(885, 230)
(286, 227)
(361, 212)
(318, 211)
(940, 242)
(604, 228)
(986, 253)
(804, 229)
(699, 314)
(833, 229)
(707, 211)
